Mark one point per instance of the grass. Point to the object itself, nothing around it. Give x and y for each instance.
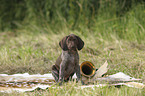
(32, 45)
(35, 53)
(72, 89)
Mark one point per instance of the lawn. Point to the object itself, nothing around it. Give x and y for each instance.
(35, 53)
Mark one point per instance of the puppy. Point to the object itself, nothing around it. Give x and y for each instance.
(68, 62)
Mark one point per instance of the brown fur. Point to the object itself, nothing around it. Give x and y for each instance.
(68, 62)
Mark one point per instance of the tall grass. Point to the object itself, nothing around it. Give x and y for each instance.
(122, 18)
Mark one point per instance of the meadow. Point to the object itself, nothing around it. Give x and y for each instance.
(31, 44)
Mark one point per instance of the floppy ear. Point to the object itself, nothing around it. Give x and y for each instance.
(80, 44)
(62, 43)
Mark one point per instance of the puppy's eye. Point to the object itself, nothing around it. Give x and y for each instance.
(70, 39)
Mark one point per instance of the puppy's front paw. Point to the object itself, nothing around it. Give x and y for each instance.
(82, 82)
(60, 83)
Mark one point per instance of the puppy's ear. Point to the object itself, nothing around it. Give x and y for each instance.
(80, 44)
(63, 44)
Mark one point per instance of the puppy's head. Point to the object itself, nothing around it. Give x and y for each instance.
(71, 42)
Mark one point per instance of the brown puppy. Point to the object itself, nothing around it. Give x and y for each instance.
(68, 62)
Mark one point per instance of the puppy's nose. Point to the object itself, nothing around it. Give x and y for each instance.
(73, 46)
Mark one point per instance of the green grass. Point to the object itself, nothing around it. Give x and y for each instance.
(72, 89)
(29, 39)
(35, 53)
